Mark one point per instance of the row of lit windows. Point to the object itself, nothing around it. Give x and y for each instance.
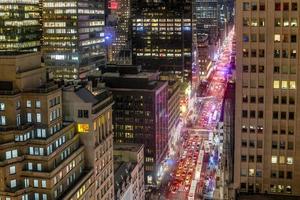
(277, 84)
(282, 160)
(59, 4)
(19, 45)
(20, 1)
(278, 22)
(161, 20)
(21, 23)
(160, 55)
(61, 30)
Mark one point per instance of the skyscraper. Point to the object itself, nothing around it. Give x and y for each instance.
(118, 38)
(267, 140)
(163, 38)
(73, 37)
(20, 27)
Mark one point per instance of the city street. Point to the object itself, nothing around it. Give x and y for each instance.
(193, 174)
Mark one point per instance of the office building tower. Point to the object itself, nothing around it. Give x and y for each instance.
(41, 155)
(20, 27)
(207, 18)
(140, 115)
(73, 38)
(267, 136)
(118, 36)
(163, 39)
(173, 114)
(129, 162)
(92, 115)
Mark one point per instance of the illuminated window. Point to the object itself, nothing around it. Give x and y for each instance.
(292, 85)
(83, 128)
(149, 179)
(289, 160)
(274, 159)
(281, 159)
(284, 85)
(251, 172)
(276, 84)
(128, 135)
(277, 38)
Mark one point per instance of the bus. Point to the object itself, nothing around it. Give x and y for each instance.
(192, 190)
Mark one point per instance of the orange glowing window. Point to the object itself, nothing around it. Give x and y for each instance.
(83, 128)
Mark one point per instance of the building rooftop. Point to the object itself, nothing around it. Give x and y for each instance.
(122, 172)
(127, 147)
(87, 96)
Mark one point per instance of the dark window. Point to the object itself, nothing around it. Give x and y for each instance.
(245, 99)
(289, 175)
(261, 53)
(245, 38)
(276, 53)
(260, 114)
(262, 6)
(290, 145)
(261, 37)
(273, 174)
(294, 6)
(245, 68)
(274, 131)
(283, 100)
(283, 115)
(261, 69)
(252, 113)
(253, 68)
(280, 174)
(260, 99)
(244, 143)
(277, 6)
(282, 132)
(243, 186)
(259, 158)
(291, 100)
(291, 115)
(259, 144)
(282, 144)
(293, 38)
(275, 99)
(83, 114)
(252, 99)
(251, 158)
(244, 113)
(275, 114)
(243, 158)
(285, 54)
(276, 69)
(251, 144)
(253, 53)
(253, 6)
(274, 145)
(285, 6)
(244, 129)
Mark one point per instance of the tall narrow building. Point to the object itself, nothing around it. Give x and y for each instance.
(267, 129)
(73, 37)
